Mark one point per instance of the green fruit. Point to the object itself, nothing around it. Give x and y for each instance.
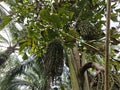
(87, 31)
(54, 59)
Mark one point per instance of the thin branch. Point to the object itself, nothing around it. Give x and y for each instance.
(92, 47)
(106, 87)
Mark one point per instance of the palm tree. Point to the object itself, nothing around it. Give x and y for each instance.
(36, 72)
(8, 41)
(28, 75)
(47, 21)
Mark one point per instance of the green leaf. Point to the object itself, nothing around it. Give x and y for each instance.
(62, 87)
(52, 34)
(23, 44)
(114, 17)
(25, 56)
(69, 42)
(45, 14)
(73, 33)
(71, 15)
(116, 36)
(5, 21)
(44, 35)
(64, 20)
(117, 10)
(3, 39)
(56, 20)
(61, 11)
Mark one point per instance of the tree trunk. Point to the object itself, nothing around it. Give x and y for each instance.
(86, 83)
(106, 87)
(73, 76)
(77, 64)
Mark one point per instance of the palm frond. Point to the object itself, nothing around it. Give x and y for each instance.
(8, 36)
(31, 76)
(3, 39)
(15, 33)
(18, 82)
(2, 46)
(5, 21)
(5, 83)
(28, 69)
(5, 10)
(6, 54)
(19, 68)
(38, 67)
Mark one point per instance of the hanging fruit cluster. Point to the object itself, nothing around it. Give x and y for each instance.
(54, 59)
(87, 31)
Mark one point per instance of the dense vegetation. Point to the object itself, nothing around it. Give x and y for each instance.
(58, 41)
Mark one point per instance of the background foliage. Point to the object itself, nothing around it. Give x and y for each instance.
(78, 23)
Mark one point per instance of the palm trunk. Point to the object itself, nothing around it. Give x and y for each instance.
(86, 83)
(77, 64)
(73, 76)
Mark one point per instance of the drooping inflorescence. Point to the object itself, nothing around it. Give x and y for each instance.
(54, 59)
(88, 31)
